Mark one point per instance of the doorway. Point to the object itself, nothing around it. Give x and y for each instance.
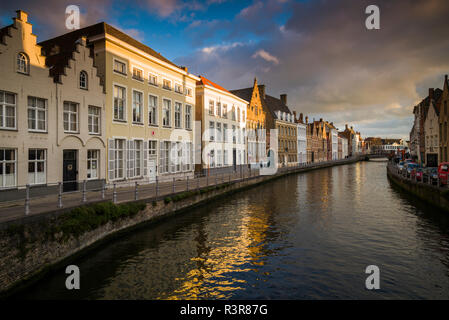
(70, 170)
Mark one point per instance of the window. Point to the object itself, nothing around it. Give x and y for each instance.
(219, 158)
(137, 106)
(211, 131)
(22, 63)
(36, 166)
(152, 149)
(219, 138)
(94, 120)
(178, 88)
(233, 134)
(233, 113)
(93, 160)
(135, 158)
(152, 110)
(219, 109)
(119, 67)
(225, 157)
(37, 114)
(83, 80)
(178, 107)
(179, 156)
(212, 159)
(164, 158)
(238, 114)
(211, 107)
(70, 116)
(166, 84)
(7, 110)
(225, 132)
(119, 103)
(173, 157)
(166, 110)
(189, 92)
(152, 79)
(8, 165)
(137, 74)
(225, 111)
(188, 117)
(116, 158)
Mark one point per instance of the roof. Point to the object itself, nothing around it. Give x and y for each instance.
(269, 103)
(4, 32)
(66, 40)
(205, 81)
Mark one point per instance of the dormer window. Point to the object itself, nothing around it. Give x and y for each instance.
(22, 63)
(83, 80)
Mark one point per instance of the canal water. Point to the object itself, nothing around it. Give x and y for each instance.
(306, 236)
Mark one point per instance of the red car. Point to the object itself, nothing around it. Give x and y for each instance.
(443, 172)
(418, 174)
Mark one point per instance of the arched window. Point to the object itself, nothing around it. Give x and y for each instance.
(22, 63)
(83, 80)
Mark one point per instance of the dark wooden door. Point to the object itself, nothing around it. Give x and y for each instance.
(70, 170)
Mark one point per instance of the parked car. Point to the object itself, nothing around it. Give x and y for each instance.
(443, 172)
(418, 172)
(409, 167)
(430, 173)
(401, 165)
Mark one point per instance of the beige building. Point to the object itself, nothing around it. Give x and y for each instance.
(223, 127)
(51, 111)
(150, 106)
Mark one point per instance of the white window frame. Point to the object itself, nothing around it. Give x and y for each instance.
(151, 76)
(142, 73)
(36, 111)
(163, 84)
(4, 163)
(211, 107)
(114, 60)
(168, 122)
(93, 157)
(23, 63)
(155, 108)
(4, 106)
(36, 162)
(178, 88)
(86, 83)
(70, 113)
(178, 114)
(140, 104)
(125, 89)
(188, 116)
(116, 158)
(92, 118)
(211, 131)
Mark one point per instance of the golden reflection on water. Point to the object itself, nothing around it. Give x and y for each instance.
(242, 252)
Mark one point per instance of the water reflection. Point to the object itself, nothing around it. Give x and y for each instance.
(307, 236)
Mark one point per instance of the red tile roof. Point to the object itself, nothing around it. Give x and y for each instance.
(205, 81)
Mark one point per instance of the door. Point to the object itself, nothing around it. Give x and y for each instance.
(234, 159)
(70, 170)
(152, 170)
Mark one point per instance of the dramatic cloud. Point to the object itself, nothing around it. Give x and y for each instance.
(332, 66)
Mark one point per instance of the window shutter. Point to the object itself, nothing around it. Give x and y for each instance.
(145, 158)
(128, 157)
(111, 164)
(161, 151)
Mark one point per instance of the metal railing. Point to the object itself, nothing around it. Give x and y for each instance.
(427, 179)
(34, 201)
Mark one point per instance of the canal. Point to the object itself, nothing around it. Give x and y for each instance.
(305, 236)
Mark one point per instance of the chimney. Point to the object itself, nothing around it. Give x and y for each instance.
(431, 93)
(185, 68)
(22, 15)
(346, 126)
(321, 119)
(445, 78)
(307, 119)
(301, 118)
(294, 115)
(284, 98)
(262, 91)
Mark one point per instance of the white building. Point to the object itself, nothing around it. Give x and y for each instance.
(344, 148)
(223, 127)
(334, 143)
(302, 142)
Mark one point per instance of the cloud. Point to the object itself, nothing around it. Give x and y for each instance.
(163, 8)
(266, 56)
(332, 65)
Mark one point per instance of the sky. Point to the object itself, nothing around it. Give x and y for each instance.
(318, 52)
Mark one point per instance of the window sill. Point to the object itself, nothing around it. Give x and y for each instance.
(120, 73)
(9, 129)
(37, 131)
(119, 121)
(141, 80)
(153, 84)
(94, 133)
(153, 125)
(140, 124)
(71, 132)
(167, 127)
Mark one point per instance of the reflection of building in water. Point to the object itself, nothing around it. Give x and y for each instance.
(222, 251)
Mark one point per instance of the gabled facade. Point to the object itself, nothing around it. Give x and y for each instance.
(223, 127)
(45, 112)
(431, 130)
(301, 138)
(255, 123)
